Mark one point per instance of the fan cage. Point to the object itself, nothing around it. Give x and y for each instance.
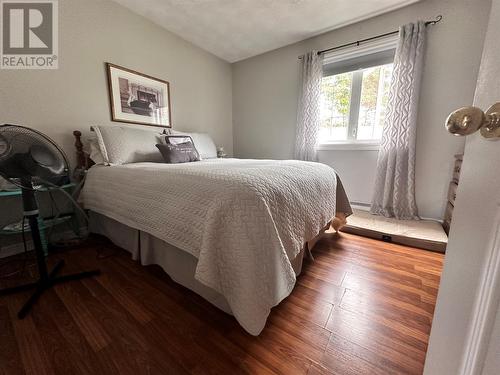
(16, 141)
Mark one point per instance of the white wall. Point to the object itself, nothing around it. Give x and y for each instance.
(357, 170)
(75, 96)
(265, 93)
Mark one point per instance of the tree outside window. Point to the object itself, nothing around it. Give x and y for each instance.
(353, 104)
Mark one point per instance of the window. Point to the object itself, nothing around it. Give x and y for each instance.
(354, 98)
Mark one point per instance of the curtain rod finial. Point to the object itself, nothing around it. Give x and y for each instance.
(439, 17)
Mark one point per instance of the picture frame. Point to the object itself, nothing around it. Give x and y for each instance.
(138, 98)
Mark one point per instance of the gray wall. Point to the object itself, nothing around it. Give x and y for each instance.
(75, 96)
(265, 92)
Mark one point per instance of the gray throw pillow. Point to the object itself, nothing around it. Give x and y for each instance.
(202, 141)
(179, 153)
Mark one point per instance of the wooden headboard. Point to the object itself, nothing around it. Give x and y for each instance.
(83, 161)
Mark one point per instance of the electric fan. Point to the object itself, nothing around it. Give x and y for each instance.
(30, 159)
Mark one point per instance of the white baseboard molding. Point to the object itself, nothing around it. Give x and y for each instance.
(432, 219)
(360, 206)
(18, 247)
(366, 207)
(14, 249)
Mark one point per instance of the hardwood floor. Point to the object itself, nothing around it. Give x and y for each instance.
(362, 307)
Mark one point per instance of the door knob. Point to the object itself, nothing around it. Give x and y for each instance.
(467, 120)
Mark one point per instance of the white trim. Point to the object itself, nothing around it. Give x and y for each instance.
(30, 213)
(374, 46)
(18, 247)
(367, 48)
(15, 248)
(354, 104)
(485, 308)
(349, 146)
(360, 206)
(366, 207)
(440, 221)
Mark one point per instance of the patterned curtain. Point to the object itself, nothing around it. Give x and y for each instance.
(306, 137)
(394, 194)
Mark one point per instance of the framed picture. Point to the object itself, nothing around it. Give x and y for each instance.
(138, 98)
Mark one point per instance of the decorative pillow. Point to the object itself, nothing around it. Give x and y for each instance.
(179, 153)
(177, 139)
(123, 145)
(203, 143)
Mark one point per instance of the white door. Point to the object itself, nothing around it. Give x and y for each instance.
(461, 339)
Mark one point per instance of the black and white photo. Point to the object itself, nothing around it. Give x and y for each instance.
(138, 98)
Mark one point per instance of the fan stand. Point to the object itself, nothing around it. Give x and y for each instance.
(46, 280)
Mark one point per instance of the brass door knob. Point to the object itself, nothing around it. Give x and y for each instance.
(467, 120)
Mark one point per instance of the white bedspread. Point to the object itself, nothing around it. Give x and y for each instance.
(243, 219)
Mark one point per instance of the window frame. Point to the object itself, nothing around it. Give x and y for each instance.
(370, 48)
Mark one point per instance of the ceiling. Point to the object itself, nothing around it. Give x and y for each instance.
(237, 29)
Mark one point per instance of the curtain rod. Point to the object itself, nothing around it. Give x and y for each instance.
(358, 42)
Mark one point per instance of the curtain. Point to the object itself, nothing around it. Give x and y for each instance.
(308, 113)
(394, 193)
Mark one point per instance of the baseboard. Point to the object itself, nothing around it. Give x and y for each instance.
(366, 207)
(14, 249)
(360, 206)
(440, 221)
(18, 247)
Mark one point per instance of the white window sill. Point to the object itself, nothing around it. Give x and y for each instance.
(349, 146)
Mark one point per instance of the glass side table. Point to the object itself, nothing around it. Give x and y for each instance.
(43, 223)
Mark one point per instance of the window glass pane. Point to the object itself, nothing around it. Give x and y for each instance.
(371, 92)
(373, 102)
(335, 104)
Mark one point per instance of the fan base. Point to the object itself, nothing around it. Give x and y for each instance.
(43, 284)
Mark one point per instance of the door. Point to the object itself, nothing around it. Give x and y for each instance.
(468, 295)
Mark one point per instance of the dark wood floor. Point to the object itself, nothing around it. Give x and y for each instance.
(363, 307)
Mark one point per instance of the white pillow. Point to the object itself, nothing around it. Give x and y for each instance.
(203, 143)
(123, 145)
(94, 151)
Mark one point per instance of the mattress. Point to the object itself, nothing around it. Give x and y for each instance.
(243, 220)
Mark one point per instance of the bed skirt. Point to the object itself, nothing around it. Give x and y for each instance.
(178, 264)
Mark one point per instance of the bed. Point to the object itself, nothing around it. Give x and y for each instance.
(235, 231)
